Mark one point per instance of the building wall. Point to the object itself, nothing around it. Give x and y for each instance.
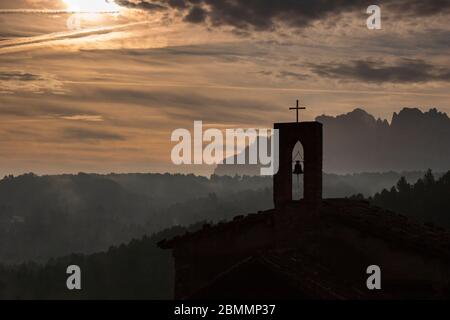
(201, 259)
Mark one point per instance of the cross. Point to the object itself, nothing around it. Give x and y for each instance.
(297, 108)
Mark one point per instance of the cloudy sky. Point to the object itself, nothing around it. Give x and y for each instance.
(98, 86)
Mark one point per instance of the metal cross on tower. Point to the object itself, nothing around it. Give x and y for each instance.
(297, 108)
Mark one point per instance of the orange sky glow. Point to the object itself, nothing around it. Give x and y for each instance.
(105, 95)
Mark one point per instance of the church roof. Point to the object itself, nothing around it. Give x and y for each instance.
(356, 214)
(294, 275)
(295, 253)
(240, 221)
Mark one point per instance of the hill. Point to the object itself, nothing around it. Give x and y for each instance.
(141, 270)
(49, 216)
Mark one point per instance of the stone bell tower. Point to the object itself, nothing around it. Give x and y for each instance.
(309, 134)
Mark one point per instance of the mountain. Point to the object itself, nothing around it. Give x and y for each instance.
(358, 142)
(414, 140)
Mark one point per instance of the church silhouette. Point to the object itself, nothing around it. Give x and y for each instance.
(311, 248)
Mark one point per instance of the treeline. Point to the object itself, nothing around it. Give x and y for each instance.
(140, 270)
(427, 200)
(137, 270)
(49, 216)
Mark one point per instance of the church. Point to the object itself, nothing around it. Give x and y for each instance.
(311, 248)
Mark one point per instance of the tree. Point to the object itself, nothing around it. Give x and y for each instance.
(426, 200)
(403, 186)
(428, 178)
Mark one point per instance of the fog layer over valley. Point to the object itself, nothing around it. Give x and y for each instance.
(50, 216)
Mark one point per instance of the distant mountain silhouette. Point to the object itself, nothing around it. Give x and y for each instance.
(357, 142)
(414, 140)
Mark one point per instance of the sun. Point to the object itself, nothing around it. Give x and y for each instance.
(92, 6)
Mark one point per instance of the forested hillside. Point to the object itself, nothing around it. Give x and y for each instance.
(48, 216)
(140, 270)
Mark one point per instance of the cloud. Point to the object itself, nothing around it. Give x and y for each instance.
(186, 105)
(19, 81)
(50, 7)
(143, 5)
(420, 8)
(83, 134)
(29, 42)
(18, 76)
(292, 75)
(196, 15)
(404, 71)
(31, 109)
(84, 117)
(47, 11)
(266, 14)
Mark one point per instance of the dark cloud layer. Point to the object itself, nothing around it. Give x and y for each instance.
(405, 71)
(38, 109)
(83, 134)
(264, 14)
(143, 5)
(18, 76)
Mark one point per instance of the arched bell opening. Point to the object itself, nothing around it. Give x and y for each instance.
(298, 173)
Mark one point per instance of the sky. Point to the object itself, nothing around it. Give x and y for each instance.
(99, 86)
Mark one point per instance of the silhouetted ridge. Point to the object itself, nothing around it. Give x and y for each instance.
(358, 142)
(414, 140)
(357, 116)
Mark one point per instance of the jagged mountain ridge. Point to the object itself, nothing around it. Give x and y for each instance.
(414, 140)
(358, 142)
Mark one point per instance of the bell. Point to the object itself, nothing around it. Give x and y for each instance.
(298, 168)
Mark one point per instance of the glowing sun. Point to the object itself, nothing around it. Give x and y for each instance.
(92, 6)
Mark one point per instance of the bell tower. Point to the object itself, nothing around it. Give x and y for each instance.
(310, 136)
